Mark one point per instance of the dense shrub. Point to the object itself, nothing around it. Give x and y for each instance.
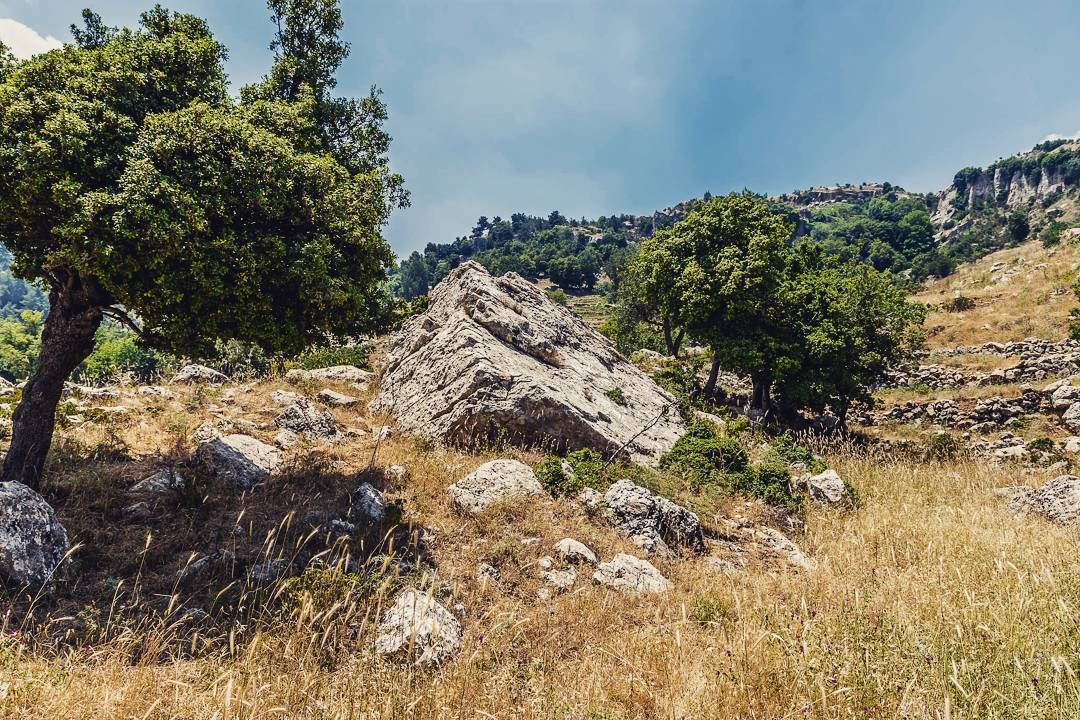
(586, 472)
(784, 449)
(118, 356)
(768, 482)
(943, 446)
(703, 455)
(329, 356)
(960, 303)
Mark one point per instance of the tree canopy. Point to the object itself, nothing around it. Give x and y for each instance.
(134, 186)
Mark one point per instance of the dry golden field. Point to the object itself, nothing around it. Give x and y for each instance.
(929, 600)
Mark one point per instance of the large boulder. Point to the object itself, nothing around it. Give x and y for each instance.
(335, 373)
(495, 358)
(32, 541)
(1058, 500)
(419, 626)
(495, 482)
(650, 521)
(241, 459)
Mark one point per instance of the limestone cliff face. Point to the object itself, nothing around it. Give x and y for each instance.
(1013, 183)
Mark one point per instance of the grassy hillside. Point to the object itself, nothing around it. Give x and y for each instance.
(928, 601)
(1018, 292)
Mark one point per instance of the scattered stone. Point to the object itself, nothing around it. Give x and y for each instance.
(1071, 417)
(285, 397)
(630, 574)
(162, 482)
(137, 512)
(199, 375)
(546, 563)
(418, 625)
(310, 421)
(495, 358)
(285, 439)
(827, 487)
(241, 459)
(650, 521)
(206, 431)
(560, 580)
(495, 482)
(92, 393)
(591, 500)
(1071, 445)
(777, 542)
(205, 566)
(385, 433)
(487, 573)
(370, 504)
(1058, 500)
(156, 391)
(267, 572)
(574, 552)
(396, 473)
(32, 541)
(336, 399)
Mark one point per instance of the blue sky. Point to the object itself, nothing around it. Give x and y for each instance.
(600, 106)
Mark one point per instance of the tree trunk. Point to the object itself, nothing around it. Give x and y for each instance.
(673, 342)
(714, 372)
(760, 398)
(66, 340)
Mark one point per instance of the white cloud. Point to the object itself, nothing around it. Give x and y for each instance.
(25, 41)
(1059, 136)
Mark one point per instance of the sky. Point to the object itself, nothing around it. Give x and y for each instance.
(595, 107)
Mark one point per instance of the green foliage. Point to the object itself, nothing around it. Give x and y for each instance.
(704, 456)
(586, 465)
(616, 396)
(784, 449)
(20, 343)
(943, 446)
(557, 296)
(960, 303)
(1050, 236)
(320, 357)
(768, 482)
(127, 170)
(118, 356)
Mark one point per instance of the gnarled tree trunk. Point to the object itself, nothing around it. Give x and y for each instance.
(761, 394)
(714, 373)
(76, 311)
(672, 340)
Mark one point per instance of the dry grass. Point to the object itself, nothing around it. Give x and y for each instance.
(1035, 302)
(930, 601)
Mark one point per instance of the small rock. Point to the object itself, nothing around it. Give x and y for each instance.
(137, 512)
(650, 521)
(199, 374)
(285, 397)
(827, 487)
(385, 433)
(285, 439)
(162, 482)
(417, 624)
(591, 500)
(630, 574)
(156, 391)
(574, 552)
(546, 563)
(338, 373)
(203, 567)
(777, 542)
(486, 573)
(268, 571)
(560, 580)
(495, 482)
(311, 422)
(370, 504)
(337, 399)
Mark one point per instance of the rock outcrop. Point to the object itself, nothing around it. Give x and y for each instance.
(419, 626)
(495, 359)
(650, 521)
(304, 418)
(241, 459)
(32, 541)
(495, 482)
(1058, 500)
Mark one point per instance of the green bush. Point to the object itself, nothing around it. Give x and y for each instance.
(587, 466)
(357, 355)
(118, 356)
(768, 482)
(943, 446)
(785, 449)
(703, 455)
(616, 396)
(557, 296)
(960, 303)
